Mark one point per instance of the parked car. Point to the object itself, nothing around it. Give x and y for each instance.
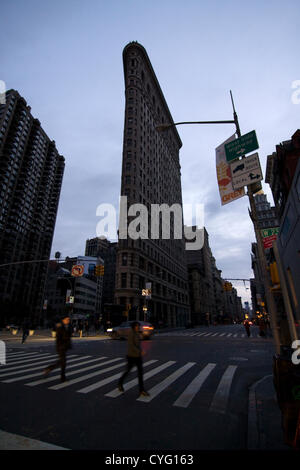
(122, 331)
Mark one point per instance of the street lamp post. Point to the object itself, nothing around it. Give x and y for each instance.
(250, 194)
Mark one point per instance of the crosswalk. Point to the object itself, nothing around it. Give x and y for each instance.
(88, 374)
(210, 334)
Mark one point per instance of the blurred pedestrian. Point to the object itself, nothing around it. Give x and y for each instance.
(63, 343)
(134, 358)
(86, 326)
(262, 327)
(80, 328)
(25, 329)
(247, 327)
(207, 318)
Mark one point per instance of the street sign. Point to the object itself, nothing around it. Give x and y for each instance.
(268, 236)
(246, 171)
(239, 147)
(227, 193)
(77, 270)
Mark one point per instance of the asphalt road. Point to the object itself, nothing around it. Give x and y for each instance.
(198, 380)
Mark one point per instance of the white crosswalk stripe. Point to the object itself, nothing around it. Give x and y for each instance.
(221, 396)
(127, 386)
(55, 377)
(189, 393)
(18, 379)
(97, 385)
(205, 334)
(87, 368)
(157, 389)
(35, 358)
(21, 367)
(89, 376)
(21, 354)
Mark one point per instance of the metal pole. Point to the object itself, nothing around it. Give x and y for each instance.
(262, 257)
(285, 294)
(264, 268)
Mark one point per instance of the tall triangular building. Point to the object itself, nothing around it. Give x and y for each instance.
(150, 176)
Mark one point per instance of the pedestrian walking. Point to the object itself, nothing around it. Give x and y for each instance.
(207, 318)
(262, 328)
(247, 327)
(63, 343)
(134, 358)
(80, 328)
(25, 329)
(86, 325)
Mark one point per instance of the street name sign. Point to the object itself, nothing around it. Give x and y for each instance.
(246, 171)
(268, 236)
(238, 147)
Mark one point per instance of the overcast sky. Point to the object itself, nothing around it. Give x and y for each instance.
(65, 58)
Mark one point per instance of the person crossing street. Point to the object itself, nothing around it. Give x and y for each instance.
(247, 327)
(134, 358)
(63, 343)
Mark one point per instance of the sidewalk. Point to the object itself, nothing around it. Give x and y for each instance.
(264, 418)
(46, 335)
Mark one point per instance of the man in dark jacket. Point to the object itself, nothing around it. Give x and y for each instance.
(134, 358)
(63, 343)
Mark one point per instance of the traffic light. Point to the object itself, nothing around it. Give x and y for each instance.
(99, 271)
(227, 286)
(274, 275)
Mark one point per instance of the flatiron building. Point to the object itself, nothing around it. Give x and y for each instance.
(150, 175)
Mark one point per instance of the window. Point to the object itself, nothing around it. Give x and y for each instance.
(141, 263)
(124, 259)
(123, 280)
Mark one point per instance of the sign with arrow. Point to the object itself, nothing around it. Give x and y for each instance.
(77, 270)
(239, 147)
(246, 171)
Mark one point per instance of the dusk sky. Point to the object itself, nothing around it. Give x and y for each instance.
(65, 58)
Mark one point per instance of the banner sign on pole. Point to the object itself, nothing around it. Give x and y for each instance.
(227, 192)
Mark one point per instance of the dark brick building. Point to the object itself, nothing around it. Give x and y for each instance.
(31, 173)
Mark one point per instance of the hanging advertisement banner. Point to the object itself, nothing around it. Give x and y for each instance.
(227, 193)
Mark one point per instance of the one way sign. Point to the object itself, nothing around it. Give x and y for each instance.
(246, 171)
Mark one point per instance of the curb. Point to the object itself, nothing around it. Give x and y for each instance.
(9, 441)
(256, 435)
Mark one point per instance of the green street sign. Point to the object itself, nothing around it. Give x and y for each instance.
(238, 147)
(269, 232)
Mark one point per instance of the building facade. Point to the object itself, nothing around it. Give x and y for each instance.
(280, 170)
(86, 290)
(283, 176)
(206, 286)
(106, 250)
(31, 173)
(150, 175)
(267, 218)
(289, 243)
(266, 214)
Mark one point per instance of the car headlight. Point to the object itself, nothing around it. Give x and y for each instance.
(109, 330)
